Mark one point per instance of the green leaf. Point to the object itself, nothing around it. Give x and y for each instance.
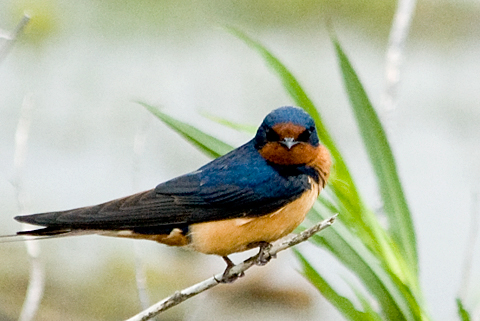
(395, 300)
(231, 124)
(290, 83)
(293, 87)
(367, 307)
(462, 312)
(209, 145)
(383, 162)
(341, 303)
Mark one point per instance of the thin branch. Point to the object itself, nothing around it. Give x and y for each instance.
(180, 296)
(37, 271)
(140, 276)
(10, 38)
(394, 57)
(36, 285)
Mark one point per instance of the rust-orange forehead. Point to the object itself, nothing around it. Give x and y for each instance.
(299, 154)
(288, 130)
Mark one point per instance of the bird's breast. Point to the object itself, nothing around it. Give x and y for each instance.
(239, 234)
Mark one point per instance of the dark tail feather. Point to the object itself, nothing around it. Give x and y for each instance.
(47, 231)
(18, 238)
(9, 238)
(41, 234)
(38, 219)
(42, 219)
(21, 237)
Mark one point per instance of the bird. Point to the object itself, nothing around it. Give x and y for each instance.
(247, 198)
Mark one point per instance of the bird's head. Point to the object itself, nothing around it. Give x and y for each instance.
(287, 136)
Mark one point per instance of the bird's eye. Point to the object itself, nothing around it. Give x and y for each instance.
(305, 135)
(271, 135)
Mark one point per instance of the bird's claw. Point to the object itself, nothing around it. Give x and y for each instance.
(262, 258)
(264, 255)
(227, 277)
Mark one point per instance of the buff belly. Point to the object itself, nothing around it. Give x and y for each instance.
(236, 235)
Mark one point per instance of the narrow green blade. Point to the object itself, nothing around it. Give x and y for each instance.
(209, 145)
(341, 303)
(395, 300)
(367, 305)
(290, 83)
(462, 312)
(231, 124)
(381, 156)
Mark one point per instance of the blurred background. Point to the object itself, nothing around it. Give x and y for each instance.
(82, 65)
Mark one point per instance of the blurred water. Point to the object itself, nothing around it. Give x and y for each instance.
(84, 84)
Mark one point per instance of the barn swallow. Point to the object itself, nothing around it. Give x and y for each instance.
(248, 198)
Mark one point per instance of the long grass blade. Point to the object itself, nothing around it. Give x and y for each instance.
(462, 312)
(367, 305)
(381, 156)
(341, 303)
(249, 129)
(209, 145)
(395, 300)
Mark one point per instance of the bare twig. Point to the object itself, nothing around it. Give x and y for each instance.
(36, 283)
(396, 45)
(37, 272)
(180, 296)
(140, 276)
(10, 38)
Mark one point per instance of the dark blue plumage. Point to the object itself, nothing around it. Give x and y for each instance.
(286, 115)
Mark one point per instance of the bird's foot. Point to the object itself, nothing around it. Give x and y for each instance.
(227, 277)
(264, 255)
